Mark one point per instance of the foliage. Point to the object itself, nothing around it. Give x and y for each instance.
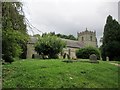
(49, 45)
(84, 53)
(13, 17)
(11, 44)
(111, 39)
(14, 32)
(113, 47)
(71, 37)
(57, 74)
(36, 35)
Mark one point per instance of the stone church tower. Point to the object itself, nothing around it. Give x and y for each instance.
(88, 38)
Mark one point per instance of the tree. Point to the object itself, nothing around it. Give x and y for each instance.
(71, 37)
(49, 45)
(36, 35)
(14, 33)
(111, 39)
(11, 45)
(112, 50)
(84, 53)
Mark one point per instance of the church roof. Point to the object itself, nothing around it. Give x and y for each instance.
(69, 43)
(73, 43)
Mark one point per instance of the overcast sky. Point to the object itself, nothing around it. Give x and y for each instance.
(70, 16)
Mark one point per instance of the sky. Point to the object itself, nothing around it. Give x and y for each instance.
(69, 16)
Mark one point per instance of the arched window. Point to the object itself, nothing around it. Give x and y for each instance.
(90, 38)
(82, 38)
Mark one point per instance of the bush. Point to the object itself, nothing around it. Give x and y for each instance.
(84, 53)
(50, 46)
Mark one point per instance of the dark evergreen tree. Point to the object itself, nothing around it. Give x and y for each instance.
(111, 39)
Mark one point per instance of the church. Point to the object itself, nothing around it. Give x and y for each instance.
(85, 38)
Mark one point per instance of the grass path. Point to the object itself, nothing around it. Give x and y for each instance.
(58, 74)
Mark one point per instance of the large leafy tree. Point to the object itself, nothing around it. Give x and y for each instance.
(111, 39)
(49, 45)
(13, 31)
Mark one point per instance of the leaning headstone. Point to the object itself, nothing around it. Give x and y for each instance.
(93, 58)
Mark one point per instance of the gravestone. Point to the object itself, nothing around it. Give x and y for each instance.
(93, 58)
(107, 58)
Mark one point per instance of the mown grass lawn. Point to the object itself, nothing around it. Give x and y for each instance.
(58, 74)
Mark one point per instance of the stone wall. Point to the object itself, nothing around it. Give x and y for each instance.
(31, 51)
(72, 52)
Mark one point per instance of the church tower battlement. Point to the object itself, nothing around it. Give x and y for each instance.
(88, 38)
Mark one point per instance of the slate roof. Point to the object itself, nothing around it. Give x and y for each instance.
(73, 43)
(70, 43)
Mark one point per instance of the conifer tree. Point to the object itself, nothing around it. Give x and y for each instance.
(111, 39)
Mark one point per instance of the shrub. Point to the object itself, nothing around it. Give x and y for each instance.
(50, 46)
(84, 53)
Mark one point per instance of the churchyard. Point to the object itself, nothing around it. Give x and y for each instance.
(57, 60)
(53, 73)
